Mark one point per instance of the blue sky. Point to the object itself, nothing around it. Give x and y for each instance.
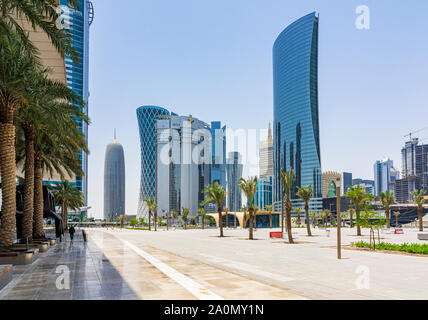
(213, 59)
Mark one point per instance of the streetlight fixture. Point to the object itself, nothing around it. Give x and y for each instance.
(338, 222)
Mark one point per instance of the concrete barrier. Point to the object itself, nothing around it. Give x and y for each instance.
(423, 236)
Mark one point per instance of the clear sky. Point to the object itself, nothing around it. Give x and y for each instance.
(213, 59)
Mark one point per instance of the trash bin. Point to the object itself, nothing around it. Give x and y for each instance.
(85, 236)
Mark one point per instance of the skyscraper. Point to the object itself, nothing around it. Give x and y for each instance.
(346, 181)
(296, 121)
(266, 156)
(77, 16)
(234, 173)
(384, 175)
(183, 145)
(147, 116)
(263, 195)
(114, 181)
(218, 153)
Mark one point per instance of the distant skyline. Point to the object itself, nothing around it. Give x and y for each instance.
(214, 60)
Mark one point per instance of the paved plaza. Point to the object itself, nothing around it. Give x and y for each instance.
(197, 264)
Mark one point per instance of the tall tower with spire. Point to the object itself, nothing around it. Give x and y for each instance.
(114, 180)
(266, 156)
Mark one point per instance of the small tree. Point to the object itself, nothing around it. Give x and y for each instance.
(314, 217)
(324, 216)
(306, 194)
(184, 213)
(287, 178)
(396, 214)
(387, 198)
(201, 213)
(122, 220)
(249, 187)
(153, 208)
(359, 198)
(298, 211)
(419, 200)
(216, 194)
(133, 222)
(142, 221)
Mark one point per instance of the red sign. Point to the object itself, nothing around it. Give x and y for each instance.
(398, 231)
(276, 234)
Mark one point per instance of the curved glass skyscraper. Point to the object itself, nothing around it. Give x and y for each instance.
(296, 121)
(114, 181)
(147, 116)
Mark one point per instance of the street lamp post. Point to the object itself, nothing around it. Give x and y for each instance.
(338, 222)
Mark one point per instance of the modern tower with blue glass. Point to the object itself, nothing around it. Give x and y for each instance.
(147, 117)
(296, 119)
(78, 16)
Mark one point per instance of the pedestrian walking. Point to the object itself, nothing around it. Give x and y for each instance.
(71, 231)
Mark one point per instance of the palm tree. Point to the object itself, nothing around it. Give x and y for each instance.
(324, 216)
(359, 197)
(45, 99)
(287, 183)
(396, 214)
(249, 187)
(185, 213)
(419, 200)
(306, 194)
(269, 209)
(351, 213)
(256, 209)
(122, 219)
(298, 213)
(313, 215)
(174, 215)
(37, 14)
(201, 212)
(67, 196)
(387, 198)
(216, 194)
(153, 207)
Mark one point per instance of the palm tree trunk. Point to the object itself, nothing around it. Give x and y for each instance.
(156, 220)
(150, 228)
(270, 220)
(220, 221)
(357, 212)
(38, 199)
(27, 219)
(308, 226)
(388, 221)
(250, 236)
(64, 215)
(282, 213)
(203, 222)
(8, 176)
(290, 235)
(421, 225)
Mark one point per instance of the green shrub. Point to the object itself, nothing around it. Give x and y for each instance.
(405, 247)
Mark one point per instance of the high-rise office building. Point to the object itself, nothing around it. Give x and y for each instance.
(234, 171)
(263, 195)
(218, 153)
(114, 181)
(77, 16)
(346, 181)
(147, 117)
(296, 120)
(183, 149)
(384, 175)
(266, 156)
(414, 171)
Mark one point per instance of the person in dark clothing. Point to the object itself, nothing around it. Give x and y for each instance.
(71, 231)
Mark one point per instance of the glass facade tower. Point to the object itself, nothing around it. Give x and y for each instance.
(296, 120)
(147, 117)
(78, 15)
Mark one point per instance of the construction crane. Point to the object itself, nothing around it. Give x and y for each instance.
(412, 133)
